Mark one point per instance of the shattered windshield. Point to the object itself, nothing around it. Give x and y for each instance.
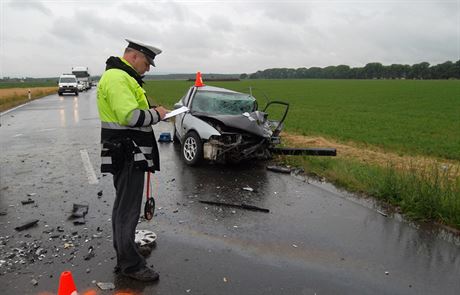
(223, 103)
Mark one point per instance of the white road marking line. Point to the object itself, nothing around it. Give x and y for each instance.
(47, 129)
(10, 110)
(17, 135)
(92, 179)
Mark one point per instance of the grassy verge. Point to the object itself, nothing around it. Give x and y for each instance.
(427, 195)
(12, 97)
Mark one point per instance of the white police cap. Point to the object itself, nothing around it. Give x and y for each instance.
(149, 51)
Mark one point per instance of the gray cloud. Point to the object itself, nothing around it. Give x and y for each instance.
(227, 36)
(30, 5)
(286, 12)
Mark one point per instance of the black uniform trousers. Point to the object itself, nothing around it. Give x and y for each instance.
(129, 186)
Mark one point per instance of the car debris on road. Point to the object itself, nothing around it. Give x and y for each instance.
(241, 206)
(279, 169)
(26, 225)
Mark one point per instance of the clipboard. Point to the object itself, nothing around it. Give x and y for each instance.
(176, 112)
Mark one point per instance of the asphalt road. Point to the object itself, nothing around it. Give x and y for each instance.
(315, 240)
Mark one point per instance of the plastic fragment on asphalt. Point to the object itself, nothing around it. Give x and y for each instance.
(382, 213)
(279, 169)
(90, 253)
(145, 238)
(67, 245)
(105, 286)
(165, 137)
(28, 201)
(79, 210)
(34, 282)
(225, 279)
(240, 206)
(79, 221)
(249, 189)
(294, 245)
(27, 225)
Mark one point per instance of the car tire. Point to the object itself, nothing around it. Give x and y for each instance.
(192, 149)
(76, 93)
(59, 93)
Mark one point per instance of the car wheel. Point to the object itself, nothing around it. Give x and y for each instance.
(192, 149)
(59, 93)
(76, 93)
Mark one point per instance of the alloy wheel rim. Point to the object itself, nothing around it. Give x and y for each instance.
(190, 148)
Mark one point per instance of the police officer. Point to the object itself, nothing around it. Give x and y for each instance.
(128, 148)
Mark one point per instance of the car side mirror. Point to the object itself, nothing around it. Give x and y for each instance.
(177, 105)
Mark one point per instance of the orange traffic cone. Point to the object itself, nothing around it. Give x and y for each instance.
(198, 81)
(66, 284)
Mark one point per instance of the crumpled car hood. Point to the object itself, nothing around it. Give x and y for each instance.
(250, 122)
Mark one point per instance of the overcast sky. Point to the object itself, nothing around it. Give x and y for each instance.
(46, 38)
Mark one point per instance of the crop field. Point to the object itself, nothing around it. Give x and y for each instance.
(11, 97)
(5, 85)
(409, 117)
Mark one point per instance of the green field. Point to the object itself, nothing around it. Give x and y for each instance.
(406, 116)
(5, 85)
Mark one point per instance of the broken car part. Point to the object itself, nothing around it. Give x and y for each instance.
(28, 201)
(304, 151)
(279, 169)
(79, 210)
(241, 206)
(27, 225)
(145, 238)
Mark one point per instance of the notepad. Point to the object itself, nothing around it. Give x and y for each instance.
(176, 112)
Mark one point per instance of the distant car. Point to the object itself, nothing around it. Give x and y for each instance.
(80, 86)
(224, 126)
(68, 84)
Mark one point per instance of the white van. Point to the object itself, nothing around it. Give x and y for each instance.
(68, 84)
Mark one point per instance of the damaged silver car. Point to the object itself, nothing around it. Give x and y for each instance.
(223, 126)
(226, 126)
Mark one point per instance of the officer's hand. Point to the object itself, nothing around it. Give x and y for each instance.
(162, 111)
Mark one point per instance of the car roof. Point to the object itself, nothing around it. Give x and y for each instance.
(215, 89)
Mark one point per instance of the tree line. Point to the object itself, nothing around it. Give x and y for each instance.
(375, 70)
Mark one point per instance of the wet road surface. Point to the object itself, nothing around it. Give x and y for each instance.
(315, 240)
